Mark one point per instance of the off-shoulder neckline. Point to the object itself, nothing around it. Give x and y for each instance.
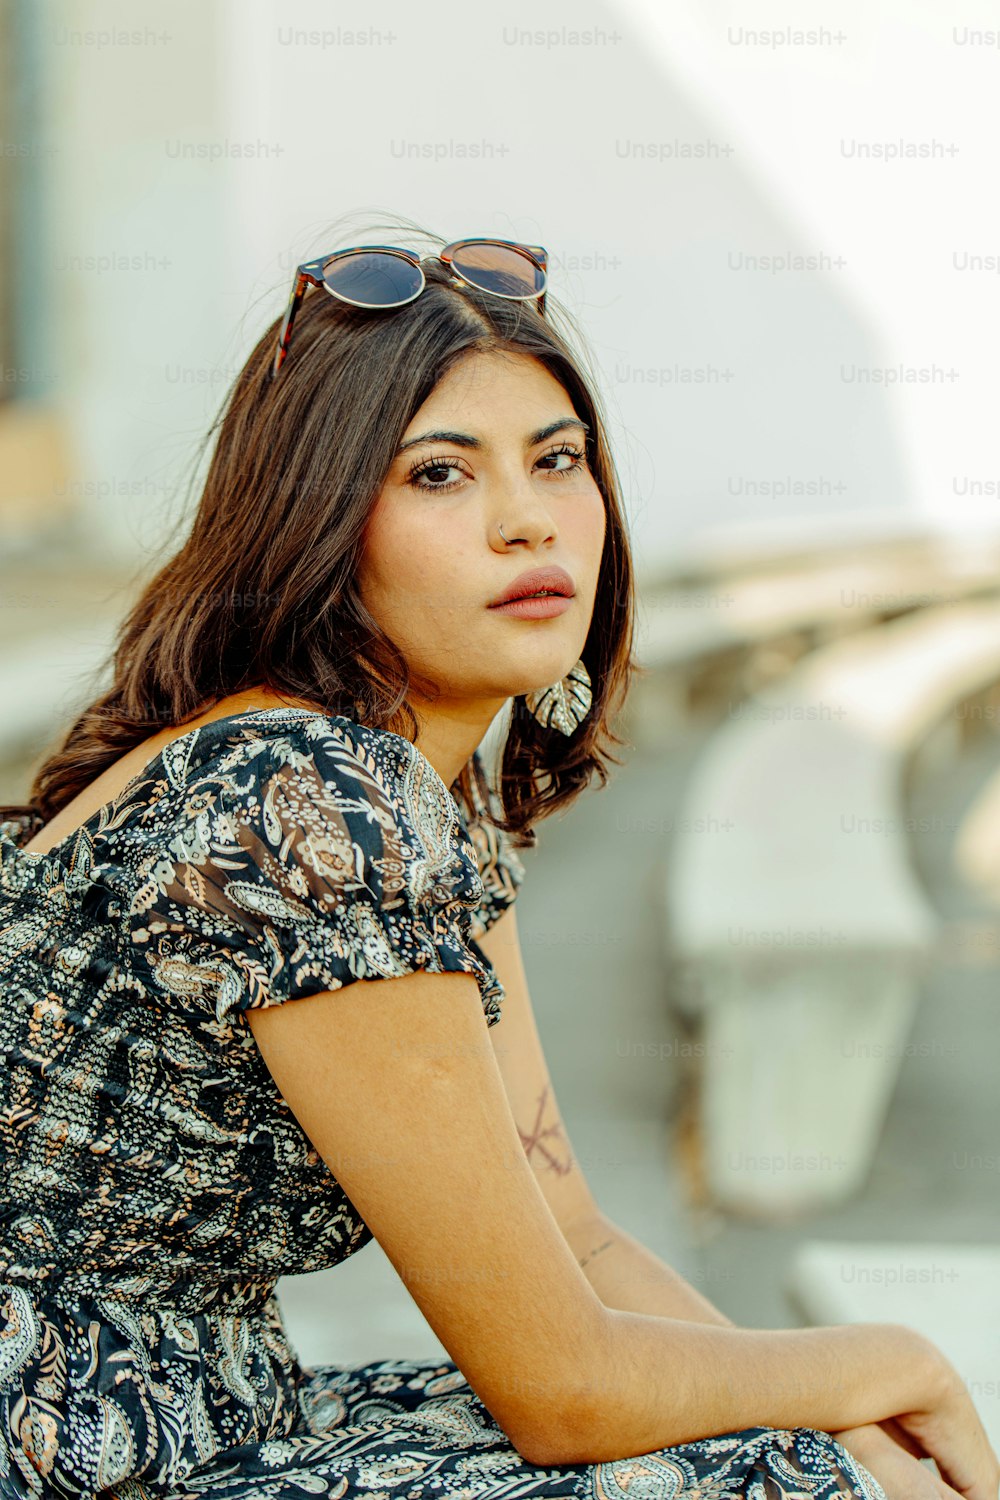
(50, 858)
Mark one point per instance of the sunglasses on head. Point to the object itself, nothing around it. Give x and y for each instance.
(384, 276)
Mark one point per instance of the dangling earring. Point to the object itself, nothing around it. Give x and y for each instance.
(566, 703)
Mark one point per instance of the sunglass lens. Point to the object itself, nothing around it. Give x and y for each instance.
(499, 269)
(373, 278)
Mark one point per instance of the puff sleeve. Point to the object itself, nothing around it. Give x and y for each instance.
(329, 854)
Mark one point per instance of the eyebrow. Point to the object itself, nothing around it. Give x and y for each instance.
(465, 440)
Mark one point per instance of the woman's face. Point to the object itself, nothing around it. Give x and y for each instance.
(434, 558)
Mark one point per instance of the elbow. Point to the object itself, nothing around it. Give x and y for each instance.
(541, 1449)
(560, 1416)
(536, 1435)
(555, 1433)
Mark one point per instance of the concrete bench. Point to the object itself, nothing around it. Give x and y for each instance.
(949, 1293)
(796, 930)
(720, 629)
(977, 844)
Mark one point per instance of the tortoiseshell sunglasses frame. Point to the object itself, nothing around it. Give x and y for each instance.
(310, 273)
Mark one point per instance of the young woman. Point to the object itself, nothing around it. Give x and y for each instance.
(281, 795)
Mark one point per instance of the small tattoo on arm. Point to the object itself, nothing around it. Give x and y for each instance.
(595, 1251)
(534, 1141)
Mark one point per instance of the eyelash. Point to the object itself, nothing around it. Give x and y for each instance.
(413, 477)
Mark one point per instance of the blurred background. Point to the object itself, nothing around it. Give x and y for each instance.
(765, 959)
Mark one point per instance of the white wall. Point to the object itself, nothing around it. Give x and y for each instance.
(915, 220)
(135, 262)
(647, 249)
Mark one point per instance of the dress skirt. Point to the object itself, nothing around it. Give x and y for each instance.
(414, 1430)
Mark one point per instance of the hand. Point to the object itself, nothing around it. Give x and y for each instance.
(892, 1458)
(949, 1430)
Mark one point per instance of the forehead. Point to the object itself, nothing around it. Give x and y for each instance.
(484, 380)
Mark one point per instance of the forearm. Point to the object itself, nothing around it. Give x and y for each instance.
(627, 1275)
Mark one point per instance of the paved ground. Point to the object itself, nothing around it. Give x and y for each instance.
(590, 921)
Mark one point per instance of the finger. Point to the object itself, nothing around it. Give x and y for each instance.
(902, 1437)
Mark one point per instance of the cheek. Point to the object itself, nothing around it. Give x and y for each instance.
(411, 565)
(592, 522)
(389, 546)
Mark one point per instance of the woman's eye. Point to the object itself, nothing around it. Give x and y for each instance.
(565, 452)
(427, 476)
(433, 468)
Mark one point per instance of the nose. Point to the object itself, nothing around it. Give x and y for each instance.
(523, 514)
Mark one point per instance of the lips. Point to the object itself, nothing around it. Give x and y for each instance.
(552, 580)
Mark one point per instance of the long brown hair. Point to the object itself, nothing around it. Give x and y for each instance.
(262, 590)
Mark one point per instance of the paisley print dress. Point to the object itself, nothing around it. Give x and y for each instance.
(155, 1183)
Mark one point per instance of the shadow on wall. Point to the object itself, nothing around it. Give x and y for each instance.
(738, 383)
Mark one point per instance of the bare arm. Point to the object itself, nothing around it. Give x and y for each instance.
(627, 1275)
(624, 1273)
(396, 1085)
